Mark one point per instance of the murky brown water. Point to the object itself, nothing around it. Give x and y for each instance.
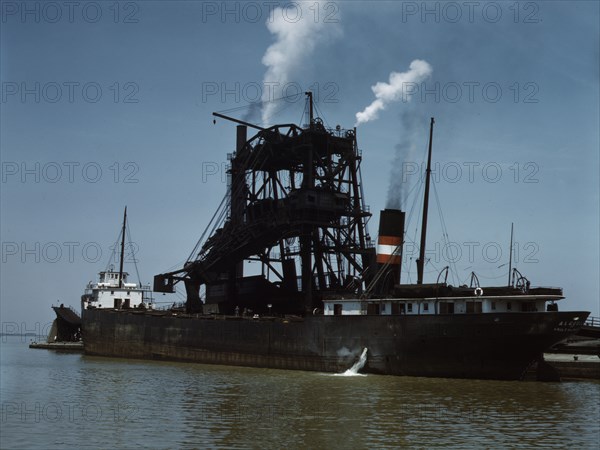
(53, 400)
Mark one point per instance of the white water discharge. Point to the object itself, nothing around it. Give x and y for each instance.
(353, 371)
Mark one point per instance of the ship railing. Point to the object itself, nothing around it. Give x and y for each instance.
(145, 288)
(592, 322)
(72, 309)
(166, 306)
(337, 131)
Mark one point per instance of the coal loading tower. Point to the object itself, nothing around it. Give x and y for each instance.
(294, 205)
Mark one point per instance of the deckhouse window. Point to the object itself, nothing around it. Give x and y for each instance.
(409, 307)
(508, 306)
(425, 306)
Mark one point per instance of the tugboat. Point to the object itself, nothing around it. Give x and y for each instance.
(295, 207)
(113, 290)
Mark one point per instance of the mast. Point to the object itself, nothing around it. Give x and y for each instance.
(510, 252)
(122, 249)
(421, 260)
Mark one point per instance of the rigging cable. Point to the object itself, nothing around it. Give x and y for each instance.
(420, 183)
(445, 235)
(133, 254)
(113, 254)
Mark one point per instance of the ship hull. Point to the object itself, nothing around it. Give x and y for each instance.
(484, 346)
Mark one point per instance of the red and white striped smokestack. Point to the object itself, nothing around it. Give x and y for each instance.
(389, 241)
(389, 249)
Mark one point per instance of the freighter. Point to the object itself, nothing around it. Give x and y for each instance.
(322, 291)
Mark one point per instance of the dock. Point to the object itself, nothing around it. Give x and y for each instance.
(63, 346)
(575, 366)
(578, 356)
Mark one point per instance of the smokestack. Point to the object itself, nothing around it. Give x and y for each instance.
(237, 188)
(389, 246)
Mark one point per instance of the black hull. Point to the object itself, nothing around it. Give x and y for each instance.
(484, 346)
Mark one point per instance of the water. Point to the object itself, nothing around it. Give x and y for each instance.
(53, 400)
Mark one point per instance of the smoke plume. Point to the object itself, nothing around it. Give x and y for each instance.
(295, 42)
(413, 125)
(253, 114)
(401, 86)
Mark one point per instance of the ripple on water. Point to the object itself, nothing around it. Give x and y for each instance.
(111, 403)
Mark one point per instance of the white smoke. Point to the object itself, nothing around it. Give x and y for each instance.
(413, 129)
(296, 39)
(401, 86)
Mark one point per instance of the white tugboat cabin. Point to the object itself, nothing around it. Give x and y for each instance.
(113, 291)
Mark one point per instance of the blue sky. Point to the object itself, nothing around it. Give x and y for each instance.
(514, 89)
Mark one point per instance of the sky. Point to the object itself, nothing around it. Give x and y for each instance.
(108, 104)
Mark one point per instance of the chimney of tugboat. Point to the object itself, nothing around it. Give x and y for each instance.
(389, 244)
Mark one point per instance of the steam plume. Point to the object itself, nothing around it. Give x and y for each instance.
(253, 114)
(402, 171)
(295, 42)
(401, 86)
